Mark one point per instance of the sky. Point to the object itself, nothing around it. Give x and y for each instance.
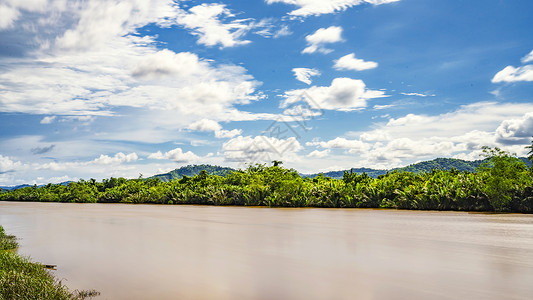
(102, 88)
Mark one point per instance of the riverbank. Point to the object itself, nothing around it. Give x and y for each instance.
(506, 185)
(21, 278)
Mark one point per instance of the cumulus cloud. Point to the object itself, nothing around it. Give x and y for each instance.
(259, 149)
(205, 22)
(210, 125)
(116, 159)
(516, 131)
(48, 120)
(304, 74)
(512, 74)
(316, 42)
(7, 164)
(460, 133)
(9, 16)
(91, 61)
(205, 125)
(167, 63)
(528, 57)
(349, 62)
(354, 146)
(319, 154)
(318, 7)
(176, 155)
(344, 94)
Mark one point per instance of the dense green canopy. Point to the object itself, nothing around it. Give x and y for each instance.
(502, 183)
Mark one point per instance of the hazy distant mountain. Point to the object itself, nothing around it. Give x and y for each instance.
(16, 187)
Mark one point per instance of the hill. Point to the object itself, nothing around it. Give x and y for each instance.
(192, 170)
(425, 166)
(16, 187)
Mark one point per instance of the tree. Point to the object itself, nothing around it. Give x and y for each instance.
(530, 153)
(277, 163)
(503, 172)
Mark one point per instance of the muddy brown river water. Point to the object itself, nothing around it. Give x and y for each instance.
(207, 252)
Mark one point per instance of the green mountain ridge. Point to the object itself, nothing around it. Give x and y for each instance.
(424, 166)
(193, 170)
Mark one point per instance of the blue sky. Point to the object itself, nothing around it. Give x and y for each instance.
(93, 89)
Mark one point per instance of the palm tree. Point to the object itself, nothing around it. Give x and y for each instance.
(530, 156)
(277, 163)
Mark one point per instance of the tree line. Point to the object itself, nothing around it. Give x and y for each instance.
(504, 184)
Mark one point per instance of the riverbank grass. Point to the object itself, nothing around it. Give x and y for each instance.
(22, 279)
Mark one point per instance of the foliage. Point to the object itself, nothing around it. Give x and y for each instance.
(193, 170)
(7, 242)
(501, 183)
(503, 175)
(446, 164)
(530, 153)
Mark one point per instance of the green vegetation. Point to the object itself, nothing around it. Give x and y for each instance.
(446, 164)
(502, 182)
(193, 170)
(21, 279)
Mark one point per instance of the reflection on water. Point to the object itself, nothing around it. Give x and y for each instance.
(206, 252)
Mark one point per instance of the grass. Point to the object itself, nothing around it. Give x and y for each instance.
(22, 279)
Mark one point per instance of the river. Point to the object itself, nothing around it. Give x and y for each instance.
(207, 252)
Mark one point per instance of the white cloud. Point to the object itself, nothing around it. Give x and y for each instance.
(512, 74)
(8, 16)
(344, 94)
(385, 106)
(259, 149)
(517, 130)
(349, 62)
(92, 62)
(7, 165)
(459, 133)
(283, 31)
(117, 159)
(342, 143)
(48, 120)
(304, 74)
(316, 42)
(318, 7)
(205, 22)
(319, 154)
(210, 125)
(418, 94)
(221, 134)
(205, 125)
(528, 57)
(165, 63)
(176, 155)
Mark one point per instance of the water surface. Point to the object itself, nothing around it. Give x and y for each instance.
(207, 252)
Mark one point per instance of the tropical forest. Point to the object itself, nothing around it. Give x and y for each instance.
(501, 183)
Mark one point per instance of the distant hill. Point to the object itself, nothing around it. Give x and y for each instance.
(193, 170)
(443, 164)
(10, 188)
(421, 167)
(16, 187)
